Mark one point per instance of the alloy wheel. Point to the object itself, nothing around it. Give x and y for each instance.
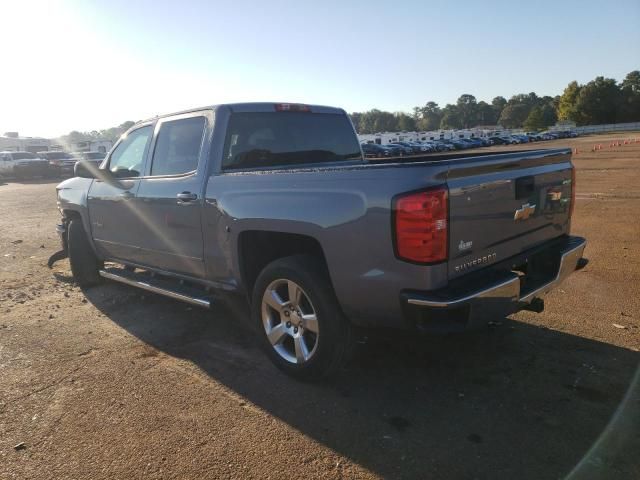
(290, 321)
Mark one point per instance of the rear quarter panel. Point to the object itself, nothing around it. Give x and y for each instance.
(348, 210)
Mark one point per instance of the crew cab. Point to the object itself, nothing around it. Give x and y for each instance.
(276, 205)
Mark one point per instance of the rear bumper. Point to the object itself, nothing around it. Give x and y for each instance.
(492, 294)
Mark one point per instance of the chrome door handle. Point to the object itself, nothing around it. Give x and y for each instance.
(186, 197)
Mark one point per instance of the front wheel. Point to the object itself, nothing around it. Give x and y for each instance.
(85, 265)
(302, 328)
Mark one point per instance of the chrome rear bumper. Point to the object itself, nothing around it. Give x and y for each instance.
(500, 296)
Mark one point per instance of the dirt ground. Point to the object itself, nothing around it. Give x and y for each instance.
(117, 383)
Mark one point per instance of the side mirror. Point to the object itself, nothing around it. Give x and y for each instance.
(88, 169)
(84, 169)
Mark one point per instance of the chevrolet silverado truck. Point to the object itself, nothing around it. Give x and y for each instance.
(275, 204)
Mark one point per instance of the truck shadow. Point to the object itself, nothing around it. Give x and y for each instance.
(515, 400)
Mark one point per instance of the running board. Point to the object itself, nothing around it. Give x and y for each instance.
(161, 287)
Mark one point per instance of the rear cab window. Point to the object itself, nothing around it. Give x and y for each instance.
(272, 139)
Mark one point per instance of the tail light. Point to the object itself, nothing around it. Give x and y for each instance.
(573, 191)
(292, 107)
(420, 224)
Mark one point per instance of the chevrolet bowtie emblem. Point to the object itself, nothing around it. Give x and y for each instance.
(525, 212)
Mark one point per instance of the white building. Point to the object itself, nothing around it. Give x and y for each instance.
(13, 142)
(392, 137)
(102, 146)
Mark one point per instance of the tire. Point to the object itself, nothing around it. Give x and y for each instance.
(328, 347)
(84, 262)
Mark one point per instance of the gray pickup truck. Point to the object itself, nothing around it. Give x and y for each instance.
(276, 205)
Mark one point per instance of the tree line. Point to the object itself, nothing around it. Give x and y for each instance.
(602, 100)
(112, 134)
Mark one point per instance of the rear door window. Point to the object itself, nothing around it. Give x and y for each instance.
(266, 139)
(178, 146)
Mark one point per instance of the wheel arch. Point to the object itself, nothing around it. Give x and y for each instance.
(258, 248)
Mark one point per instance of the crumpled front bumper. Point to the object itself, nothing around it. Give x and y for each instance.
(497, 293)
(61, 230)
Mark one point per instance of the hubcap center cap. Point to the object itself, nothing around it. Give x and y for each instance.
(295, 318)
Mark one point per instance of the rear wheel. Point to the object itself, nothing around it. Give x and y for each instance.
(85, 265)
(302, 328)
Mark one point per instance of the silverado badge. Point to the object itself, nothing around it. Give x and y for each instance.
(464, 245)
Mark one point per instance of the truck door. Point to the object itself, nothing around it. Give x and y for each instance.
(112, 213)
(170, 198)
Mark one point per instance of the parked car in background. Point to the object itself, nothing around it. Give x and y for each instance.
(471, 142)
(439, 146)
(533, 136)
(520, 138)
(395, 151)
(436, 146)
(60, 163)
(404, 149)
(413, 147)
(421, 147)
(498, 141)
(95, 157)
(372, 150)
(565, 134)
(476, 142)
(448, 144)
(22, 165)
(459, 144)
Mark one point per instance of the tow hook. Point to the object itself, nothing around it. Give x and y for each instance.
(536, 305)
(582, 263)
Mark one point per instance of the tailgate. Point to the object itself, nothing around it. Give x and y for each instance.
(502, 205)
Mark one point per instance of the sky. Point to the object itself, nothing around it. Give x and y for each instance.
(90, 65)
